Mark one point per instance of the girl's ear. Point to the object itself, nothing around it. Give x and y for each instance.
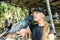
(43, 15)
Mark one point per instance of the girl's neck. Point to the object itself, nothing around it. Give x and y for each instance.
(41, 23)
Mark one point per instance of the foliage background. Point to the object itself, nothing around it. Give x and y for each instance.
(16, 13)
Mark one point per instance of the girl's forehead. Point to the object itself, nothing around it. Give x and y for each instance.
(37, 12)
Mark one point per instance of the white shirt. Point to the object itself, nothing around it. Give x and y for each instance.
(9, 22)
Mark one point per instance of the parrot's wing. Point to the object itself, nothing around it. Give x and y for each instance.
(19, 25)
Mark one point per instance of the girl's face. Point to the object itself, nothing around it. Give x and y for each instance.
(38, 16)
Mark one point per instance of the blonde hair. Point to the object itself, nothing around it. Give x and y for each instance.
(46, 31)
